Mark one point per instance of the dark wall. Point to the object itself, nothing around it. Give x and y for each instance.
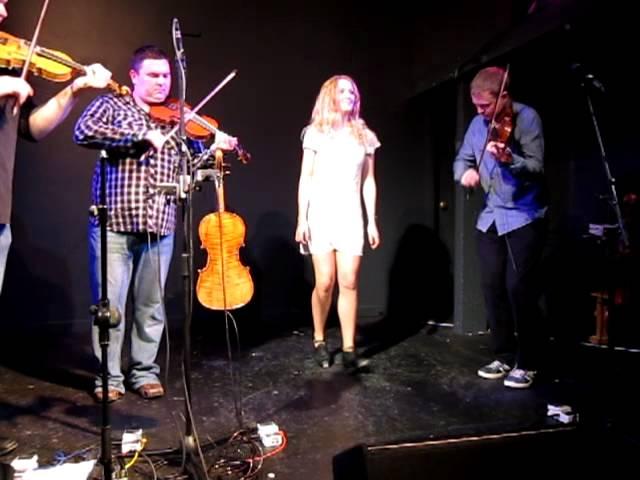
(405, 61)
(283, 51)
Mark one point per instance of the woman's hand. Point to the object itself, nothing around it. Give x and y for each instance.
(302, 232)
(373, 234)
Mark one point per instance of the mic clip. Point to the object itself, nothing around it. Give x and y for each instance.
(179, 189)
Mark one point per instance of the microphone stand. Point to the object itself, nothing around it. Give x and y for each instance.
(104, 318)
(612, 197)
(193, 463)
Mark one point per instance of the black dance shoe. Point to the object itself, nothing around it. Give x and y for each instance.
(321, 354)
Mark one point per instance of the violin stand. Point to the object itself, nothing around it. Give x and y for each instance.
(104, 318)
(192, 465)
(601, 314)
(193, 462)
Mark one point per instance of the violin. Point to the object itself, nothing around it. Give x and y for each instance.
(197, 127)
(49, 64)
(224, 283)
(502, 125)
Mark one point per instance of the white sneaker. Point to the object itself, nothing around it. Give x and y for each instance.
(519, 378)
(494, 370)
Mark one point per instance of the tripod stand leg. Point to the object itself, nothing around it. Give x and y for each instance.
(104, 318)
(601, 315)
(193, 464)
(105, 456)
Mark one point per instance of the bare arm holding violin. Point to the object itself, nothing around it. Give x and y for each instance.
(49, 115)
(15, 86)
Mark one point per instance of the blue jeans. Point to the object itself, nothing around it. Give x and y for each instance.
(5, 243)
(131, 257)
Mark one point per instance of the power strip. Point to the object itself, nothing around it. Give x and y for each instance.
(269, 434)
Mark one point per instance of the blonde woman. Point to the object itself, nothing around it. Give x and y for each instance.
(336, 179)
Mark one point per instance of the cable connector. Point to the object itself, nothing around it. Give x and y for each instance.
(269, 434)
(132, 441)
(562, 413)
(24, 464)
(121, 475)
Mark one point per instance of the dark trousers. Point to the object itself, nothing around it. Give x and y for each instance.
(6, 471)
(510, 271)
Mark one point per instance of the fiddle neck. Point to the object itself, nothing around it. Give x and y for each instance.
(219, 157)
(505, 107)
(220, 195)
(67, 62)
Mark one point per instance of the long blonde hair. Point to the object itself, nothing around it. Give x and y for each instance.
(326, 114)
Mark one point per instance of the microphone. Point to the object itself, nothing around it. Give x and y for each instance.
(585, 77)
(177, 42)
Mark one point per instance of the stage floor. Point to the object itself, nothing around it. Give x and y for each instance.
(420, 384)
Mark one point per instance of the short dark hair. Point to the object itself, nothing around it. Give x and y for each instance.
(489, 80)
(145, 52)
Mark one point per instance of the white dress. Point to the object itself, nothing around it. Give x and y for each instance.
(335, 212)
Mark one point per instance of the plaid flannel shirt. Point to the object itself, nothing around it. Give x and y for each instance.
(133, 169)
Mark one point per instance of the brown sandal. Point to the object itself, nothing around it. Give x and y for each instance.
(113, 395)
(150, 390)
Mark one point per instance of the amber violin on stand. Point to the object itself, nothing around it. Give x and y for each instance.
(224, 283)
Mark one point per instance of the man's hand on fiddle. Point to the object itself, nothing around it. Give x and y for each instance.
(156, 138)
(96, 76)
(500, 151)
(225, 142)
(15, 86)
(470, 178)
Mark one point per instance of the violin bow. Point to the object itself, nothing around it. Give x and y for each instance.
(495, 114)
(195, 109)
(32, 47)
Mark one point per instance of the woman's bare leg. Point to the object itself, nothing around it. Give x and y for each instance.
(324, 269)
(348, 270)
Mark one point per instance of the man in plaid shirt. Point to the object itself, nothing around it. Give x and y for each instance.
(141, 217)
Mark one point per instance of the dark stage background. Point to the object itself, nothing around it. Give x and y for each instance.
(412, 66)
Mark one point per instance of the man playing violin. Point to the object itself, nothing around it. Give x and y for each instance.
(511, 227)
(141, 215)
(31, 123)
